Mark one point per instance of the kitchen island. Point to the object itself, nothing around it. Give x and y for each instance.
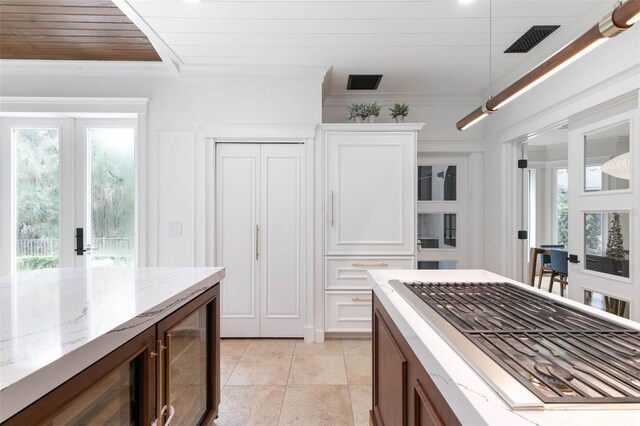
(420, 378)
(75, 341)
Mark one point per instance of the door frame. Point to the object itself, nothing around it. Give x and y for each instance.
(213, 133)
(15, 109)
(621, 200)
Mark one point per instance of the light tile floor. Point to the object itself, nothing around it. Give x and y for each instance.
(288, 382)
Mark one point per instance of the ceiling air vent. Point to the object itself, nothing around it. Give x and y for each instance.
(364, 82)
(531, 38)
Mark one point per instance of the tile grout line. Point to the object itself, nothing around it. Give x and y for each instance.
(286, 386)
(234, 367)
(344, 359)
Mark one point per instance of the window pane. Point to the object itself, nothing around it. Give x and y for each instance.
(37, 198)
(562, 207)
(437, 230)
(607, 161)
(437, 183)
(112, 196)
(606, 241)
(607, 303)
(437, 264)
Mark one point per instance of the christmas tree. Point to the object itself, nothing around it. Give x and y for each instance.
(615, 243)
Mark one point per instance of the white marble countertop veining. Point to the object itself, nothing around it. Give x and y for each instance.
(54, 323)
(471, 398)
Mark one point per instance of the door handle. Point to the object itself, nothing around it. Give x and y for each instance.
(573, 258)
(257, 241)
(167, 380)
(332, 217)
(80, 248)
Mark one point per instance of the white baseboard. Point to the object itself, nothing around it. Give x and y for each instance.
(319, 335)
(309, 334)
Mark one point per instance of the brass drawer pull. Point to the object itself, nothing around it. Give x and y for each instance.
(361, 299)
(370, 264)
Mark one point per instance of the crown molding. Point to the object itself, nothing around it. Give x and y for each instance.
(232, 132)
(47, 67)
(57, 105)
(388, 99)
(626, 82)
(371, 127)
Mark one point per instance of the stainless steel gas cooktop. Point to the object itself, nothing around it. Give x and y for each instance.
(534, 351)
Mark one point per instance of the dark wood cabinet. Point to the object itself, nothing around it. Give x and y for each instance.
(403, 392)
(170, 371)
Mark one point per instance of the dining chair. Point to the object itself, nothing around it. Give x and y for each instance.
(545, 262)
(559, 269)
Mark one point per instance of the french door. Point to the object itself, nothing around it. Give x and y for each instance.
(69, 187)
(443, 205)
(604, 199)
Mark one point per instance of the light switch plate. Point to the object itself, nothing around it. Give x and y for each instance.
(175, 229)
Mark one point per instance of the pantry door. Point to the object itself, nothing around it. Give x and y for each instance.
(260, 238)
(237, 237)
(603, 223)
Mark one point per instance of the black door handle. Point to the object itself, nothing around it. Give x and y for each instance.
(573, 258)
(79, 242)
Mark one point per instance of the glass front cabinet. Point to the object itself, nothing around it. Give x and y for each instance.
(168, 374)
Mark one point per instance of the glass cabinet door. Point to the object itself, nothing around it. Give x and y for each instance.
(191, 385)
(114, 400)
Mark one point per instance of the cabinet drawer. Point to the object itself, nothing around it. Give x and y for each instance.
(351, 273)
(348, 311)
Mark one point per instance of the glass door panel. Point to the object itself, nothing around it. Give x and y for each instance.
(442, 228)
(115, 400)
(37, 189)
(187, 360)
(112, 192)
(602, 239)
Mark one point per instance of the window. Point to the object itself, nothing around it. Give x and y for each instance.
(66, 174)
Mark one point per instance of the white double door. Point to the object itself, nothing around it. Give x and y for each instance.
(260, 238)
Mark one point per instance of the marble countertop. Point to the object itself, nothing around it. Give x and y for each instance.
(54, 323)
(471, 398)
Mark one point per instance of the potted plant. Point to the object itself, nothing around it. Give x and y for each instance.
(357, 112)
(399, 112)
(373, 111)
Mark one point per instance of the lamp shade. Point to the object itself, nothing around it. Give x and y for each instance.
(619, 166)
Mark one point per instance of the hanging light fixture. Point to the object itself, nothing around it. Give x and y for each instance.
(622, 17)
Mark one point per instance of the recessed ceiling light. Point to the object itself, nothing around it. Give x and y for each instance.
(192, 1)
(465, 1)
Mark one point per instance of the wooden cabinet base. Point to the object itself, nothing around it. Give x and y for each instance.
(403, 391)
(132, 384)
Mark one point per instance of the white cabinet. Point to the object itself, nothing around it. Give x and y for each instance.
(350, 273)
(348, 311)
(370, 214)
(370, 193)
(260, 238)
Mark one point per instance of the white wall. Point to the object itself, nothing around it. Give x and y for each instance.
(177, 109)
(610, 71)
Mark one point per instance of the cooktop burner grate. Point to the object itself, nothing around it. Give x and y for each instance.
(559, 353)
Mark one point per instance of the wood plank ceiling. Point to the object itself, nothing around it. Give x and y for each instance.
(70, 30)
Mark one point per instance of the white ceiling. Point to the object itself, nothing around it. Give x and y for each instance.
(421, 46)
